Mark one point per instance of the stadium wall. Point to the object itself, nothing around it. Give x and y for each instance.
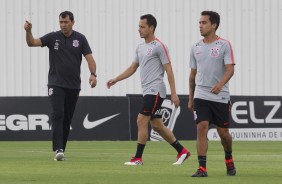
(253, 118)
(111, 26)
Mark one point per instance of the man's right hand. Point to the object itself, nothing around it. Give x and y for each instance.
(191, 105)
(27, 26)
(111, 83)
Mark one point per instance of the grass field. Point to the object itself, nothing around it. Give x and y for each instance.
(101, 162)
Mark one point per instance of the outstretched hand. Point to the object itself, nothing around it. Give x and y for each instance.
(111, 83)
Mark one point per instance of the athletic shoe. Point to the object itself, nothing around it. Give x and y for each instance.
(59, 155)
(134, 161)
(201, 172)
(230, 167)
(181, 157)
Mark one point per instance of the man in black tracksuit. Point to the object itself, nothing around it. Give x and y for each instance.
(66, 48)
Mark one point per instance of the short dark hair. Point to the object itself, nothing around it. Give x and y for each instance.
(151, 20)
(214, 17)
(67, 14)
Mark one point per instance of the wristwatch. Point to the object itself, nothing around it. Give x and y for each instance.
(94, 74)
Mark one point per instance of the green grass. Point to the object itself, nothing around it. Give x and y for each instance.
(101, 162)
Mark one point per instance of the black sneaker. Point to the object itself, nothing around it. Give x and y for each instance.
(230, 167)
(201, 172)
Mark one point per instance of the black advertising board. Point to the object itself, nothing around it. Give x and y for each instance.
(114, 118)
(254, 118)
(95, 118)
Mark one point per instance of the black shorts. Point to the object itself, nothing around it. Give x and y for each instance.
(214, 112)
(151, 106)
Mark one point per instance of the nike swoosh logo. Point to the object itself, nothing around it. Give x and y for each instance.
(92, 124)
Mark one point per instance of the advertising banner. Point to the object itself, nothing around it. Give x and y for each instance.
(254, 118)
(115, 118)
(24, 118)
(95, 118)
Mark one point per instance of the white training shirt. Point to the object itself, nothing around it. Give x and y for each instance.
(209, 60)
(151, 57)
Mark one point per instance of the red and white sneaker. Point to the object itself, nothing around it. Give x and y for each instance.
(182, 156)
(134, 161)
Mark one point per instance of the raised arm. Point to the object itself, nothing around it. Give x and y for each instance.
(31, 42)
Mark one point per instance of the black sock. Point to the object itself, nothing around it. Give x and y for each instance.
(177, 146)
(140, 149)
(202, 161)
(228, 155)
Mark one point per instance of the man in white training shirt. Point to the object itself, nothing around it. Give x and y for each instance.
(153, 58)
(212, 66)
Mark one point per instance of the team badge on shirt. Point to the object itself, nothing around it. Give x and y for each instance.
(214, 52)
(149, 51)
(75, 43)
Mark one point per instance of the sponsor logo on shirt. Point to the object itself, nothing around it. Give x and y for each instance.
(154, 43)
(197, 49)
(56, 46)
(219, 44)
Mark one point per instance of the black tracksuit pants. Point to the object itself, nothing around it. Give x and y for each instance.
(63, 102)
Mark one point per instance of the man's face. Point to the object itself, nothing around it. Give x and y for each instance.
(205, 25)
(144, 29)
(66, 25)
